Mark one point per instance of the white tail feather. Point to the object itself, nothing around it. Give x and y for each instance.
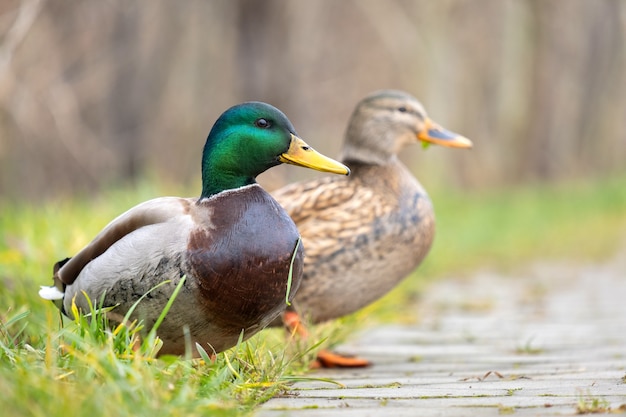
(50, 293)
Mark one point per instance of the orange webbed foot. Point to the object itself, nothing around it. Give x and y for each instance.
(328, 359)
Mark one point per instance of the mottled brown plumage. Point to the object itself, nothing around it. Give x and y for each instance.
(363, 234)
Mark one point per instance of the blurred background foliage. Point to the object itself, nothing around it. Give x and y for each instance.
(101, 93)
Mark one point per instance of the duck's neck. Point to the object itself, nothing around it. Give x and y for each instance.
(370, 160)
(366, 156)
(392, 176)
(225, 167)
(214, 182)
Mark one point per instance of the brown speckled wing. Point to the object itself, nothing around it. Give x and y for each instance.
(330, 211)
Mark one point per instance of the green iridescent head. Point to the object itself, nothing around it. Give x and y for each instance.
(248, 139)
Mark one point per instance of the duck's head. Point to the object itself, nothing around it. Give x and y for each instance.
(386, 121)
(249, 138)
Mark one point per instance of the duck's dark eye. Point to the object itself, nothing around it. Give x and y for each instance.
(262, 123)
(402, 109)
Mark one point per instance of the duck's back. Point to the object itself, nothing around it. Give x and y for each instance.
(362, 235)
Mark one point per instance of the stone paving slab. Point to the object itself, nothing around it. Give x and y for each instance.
(539, 343)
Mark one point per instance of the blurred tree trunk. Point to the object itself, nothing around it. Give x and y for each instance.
(262, 38)
(574, 73)
(124, 105)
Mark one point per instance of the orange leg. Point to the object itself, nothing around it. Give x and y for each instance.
(294, 324)
(325, 358)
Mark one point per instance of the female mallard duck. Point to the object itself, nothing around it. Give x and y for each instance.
(234, 243)
(365, 233)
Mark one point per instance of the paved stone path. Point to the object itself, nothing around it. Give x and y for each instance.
(548, 341)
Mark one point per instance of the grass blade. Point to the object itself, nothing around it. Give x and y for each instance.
(290, 277)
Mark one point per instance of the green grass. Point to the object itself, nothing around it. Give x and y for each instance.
(588, 404)
(579, 220)
(79, 367)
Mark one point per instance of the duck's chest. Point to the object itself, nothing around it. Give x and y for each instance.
(404, 220)
(409, 221)
(403, 234)
(248, 229)
(242, 254)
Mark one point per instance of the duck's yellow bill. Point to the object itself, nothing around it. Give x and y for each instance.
(433, 133)
(301, 154)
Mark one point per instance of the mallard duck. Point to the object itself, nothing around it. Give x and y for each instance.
(363, 234)
(234, 243)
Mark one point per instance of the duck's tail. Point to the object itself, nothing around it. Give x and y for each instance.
(56, 292)
(50, 293)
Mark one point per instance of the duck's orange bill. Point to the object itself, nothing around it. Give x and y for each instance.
(433, 133)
